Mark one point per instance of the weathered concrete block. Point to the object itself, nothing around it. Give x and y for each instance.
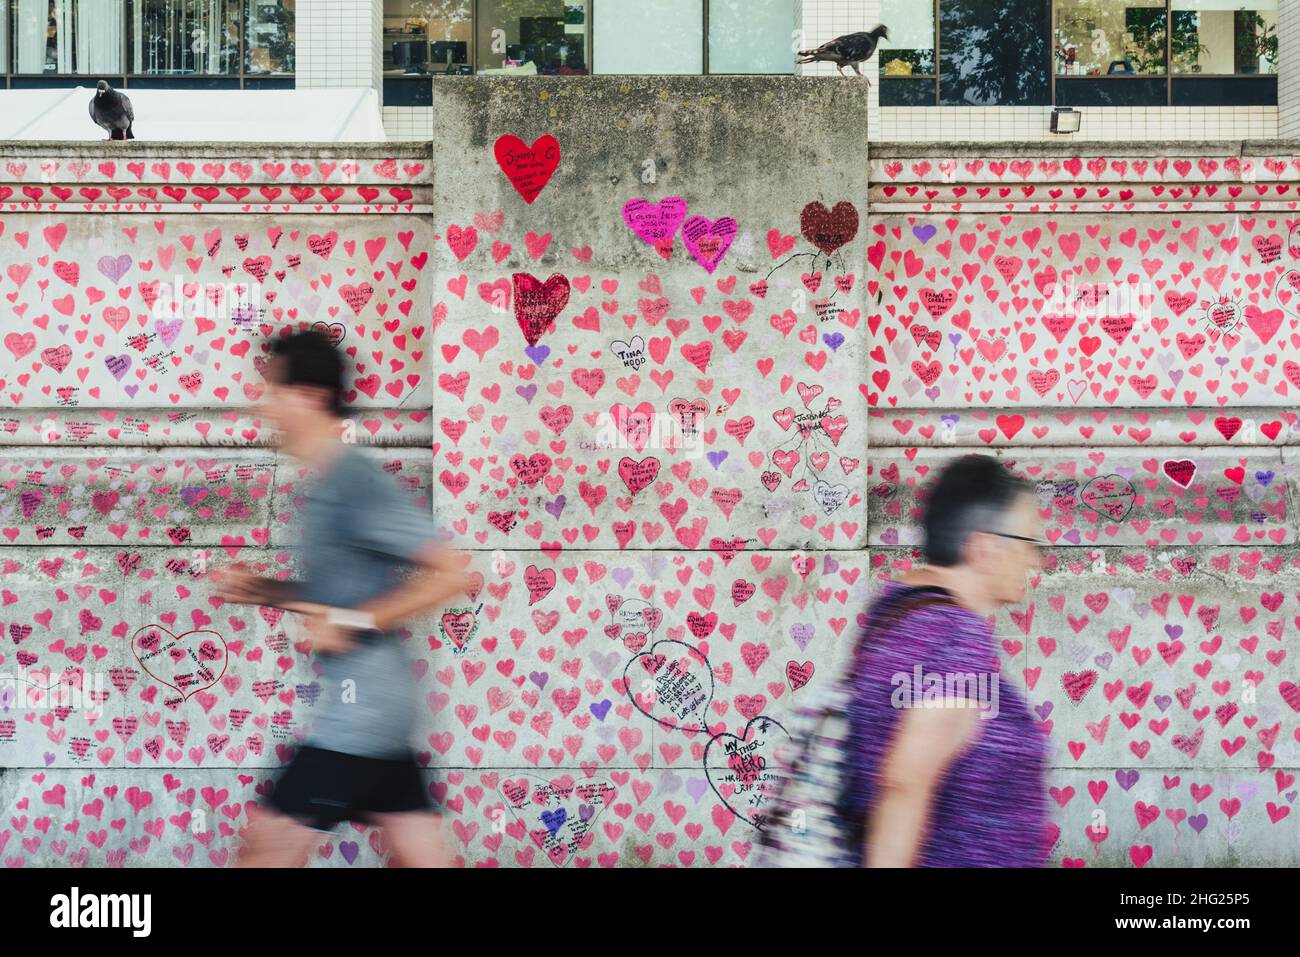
(1159, 497)
(663, 344)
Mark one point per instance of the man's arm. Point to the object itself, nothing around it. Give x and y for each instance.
(442, 574)
(237, 583)
(926, 743)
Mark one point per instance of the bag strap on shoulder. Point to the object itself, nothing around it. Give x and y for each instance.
(890, 610)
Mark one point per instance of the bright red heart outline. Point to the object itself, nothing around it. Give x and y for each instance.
(176, 638)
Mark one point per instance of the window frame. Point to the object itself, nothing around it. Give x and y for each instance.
(241, 80)
(1169, 76)
(593, 10)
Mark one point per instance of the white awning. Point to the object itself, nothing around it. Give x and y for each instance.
(343, 115)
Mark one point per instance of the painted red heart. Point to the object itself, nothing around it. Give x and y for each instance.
(829, 229)
(529, 168)
(537, 303)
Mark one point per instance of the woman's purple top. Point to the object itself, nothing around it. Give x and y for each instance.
(990, 809)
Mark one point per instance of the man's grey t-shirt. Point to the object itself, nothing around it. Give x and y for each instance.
(358, 531)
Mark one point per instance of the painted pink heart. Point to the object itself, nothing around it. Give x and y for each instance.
(708, 240)
(655, 223)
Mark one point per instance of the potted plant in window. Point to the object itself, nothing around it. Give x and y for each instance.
(1185, 43)
(1255, 40)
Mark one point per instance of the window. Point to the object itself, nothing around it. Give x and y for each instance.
(1110, 37)
(1079, 52)
(752, 36)
(907, 57)
(632, 37)
(146, 43)
(1224, 37)
(531, 37)
(423, 37)
(994, 54)
(184, 37)
(67, 36)
(268, 36)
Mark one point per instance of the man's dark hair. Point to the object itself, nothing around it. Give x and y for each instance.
(311, 359)
(971, 494)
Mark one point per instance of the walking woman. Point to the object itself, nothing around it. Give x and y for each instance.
(947, 763)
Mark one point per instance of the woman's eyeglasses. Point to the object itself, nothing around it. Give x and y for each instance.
(1022, 538)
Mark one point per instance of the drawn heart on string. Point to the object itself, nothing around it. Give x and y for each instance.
(740, 767)
(558, 814)
(187, 663)
(829, 229)
(655, 223)
(529, 168)
(677, 680)
(537, 303)
(708, 240)
(830, 497)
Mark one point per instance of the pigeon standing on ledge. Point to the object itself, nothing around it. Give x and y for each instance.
(112, 111)
(848, 50)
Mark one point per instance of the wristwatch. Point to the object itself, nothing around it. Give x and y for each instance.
(352, 619)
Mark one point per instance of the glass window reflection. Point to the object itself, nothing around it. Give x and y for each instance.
(1110, 38)
(184, 37)
(427, 37)
(531, 37)
(1224, 37)
(269, 36)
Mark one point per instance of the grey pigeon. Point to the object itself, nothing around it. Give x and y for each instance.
(112, 110)
(848, 50)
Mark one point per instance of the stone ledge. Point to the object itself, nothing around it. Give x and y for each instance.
(1178, 148)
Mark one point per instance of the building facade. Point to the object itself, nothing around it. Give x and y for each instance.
(951, 69)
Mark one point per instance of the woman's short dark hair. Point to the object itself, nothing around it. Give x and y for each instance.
(311, 359)
(970, 494)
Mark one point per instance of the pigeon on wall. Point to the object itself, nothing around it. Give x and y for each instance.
(112, 111)
(848, 50)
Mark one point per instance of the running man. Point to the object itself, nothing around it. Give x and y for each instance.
(358, 533)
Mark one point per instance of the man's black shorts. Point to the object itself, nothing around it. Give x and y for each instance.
(323, 788)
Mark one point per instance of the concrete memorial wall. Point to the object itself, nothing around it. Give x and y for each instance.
(631, 340)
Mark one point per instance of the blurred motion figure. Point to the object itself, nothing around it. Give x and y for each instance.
(359, 535)
(920, 755)
(956, 783)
